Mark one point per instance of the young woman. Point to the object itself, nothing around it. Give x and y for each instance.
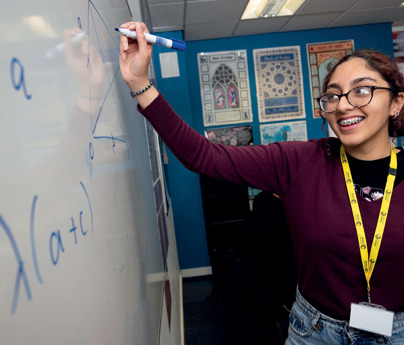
(348, 249)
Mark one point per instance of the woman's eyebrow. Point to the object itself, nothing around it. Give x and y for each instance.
(353, 82)
(333, 85)
(359, 80)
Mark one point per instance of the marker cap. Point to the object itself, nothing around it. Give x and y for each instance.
(179, 45)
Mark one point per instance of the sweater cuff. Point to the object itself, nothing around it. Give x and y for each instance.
(154, 103)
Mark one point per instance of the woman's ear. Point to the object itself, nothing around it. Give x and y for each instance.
(397, 104)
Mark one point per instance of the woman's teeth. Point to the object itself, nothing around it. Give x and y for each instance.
(350, 122)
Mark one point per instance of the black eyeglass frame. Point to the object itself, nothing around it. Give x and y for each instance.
(372, 88)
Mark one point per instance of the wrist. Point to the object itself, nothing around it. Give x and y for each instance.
(136, 85)
(145, 98)
(142, 90)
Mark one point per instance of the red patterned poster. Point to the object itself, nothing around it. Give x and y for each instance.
(322, 57)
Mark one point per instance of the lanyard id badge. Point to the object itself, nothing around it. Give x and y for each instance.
(367, 316)
(371, 318)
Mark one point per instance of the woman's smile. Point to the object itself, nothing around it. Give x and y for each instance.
(350, 123)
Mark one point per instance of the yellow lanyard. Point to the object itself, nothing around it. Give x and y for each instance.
(369, 263)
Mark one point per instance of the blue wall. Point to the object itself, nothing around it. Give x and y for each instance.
(183, 93)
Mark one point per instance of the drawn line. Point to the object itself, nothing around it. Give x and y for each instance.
(33, 247)
(106, 26)
(109, 89)
(93, 20)
(20, 272)
(89, 204)
(110, 138)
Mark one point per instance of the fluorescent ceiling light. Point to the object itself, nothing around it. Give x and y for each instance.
(271, 8)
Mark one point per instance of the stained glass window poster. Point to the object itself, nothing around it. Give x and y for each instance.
(279, 81)
(322, 57)
(283, 131)
(236, 135)
(398, 45)
(225, 90)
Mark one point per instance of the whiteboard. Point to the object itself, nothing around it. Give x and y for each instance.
(84, 236)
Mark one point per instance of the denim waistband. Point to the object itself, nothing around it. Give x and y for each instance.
(313, 312)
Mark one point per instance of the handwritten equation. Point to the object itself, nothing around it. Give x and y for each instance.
(56, 247)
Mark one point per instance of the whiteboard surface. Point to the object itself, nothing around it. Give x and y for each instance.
(79, 231)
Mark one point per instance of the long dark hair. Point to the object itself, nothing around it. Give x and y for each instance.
(389, 71)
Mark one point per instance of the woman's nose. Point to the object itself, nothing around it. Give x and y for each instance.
(344, 104)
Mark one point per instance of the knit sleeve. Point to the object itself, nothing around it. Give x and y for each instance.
(262, 166)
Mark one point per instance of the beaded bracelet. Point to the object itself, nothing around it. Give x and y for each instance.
(137, 93)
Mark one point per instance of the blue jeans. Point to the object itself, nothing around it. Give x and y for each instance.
(307, 326)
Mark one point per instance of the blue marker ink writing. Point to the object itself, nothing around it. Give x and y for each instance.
(73, 229)
(165, 42)
(58, 237)
(21, 273)
(33, 247)
(18, 77)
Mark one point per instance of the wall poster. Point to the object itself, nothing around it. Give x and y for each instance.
(237, 135)
(398, 45)
(278, 76)
(225, 89)
(322, 57)
(283, 131)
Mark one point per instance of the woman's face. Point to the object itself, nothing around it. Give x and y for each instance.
(363, 131)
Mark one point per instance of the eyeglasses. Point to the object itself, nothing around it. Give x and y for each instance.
(357, 97)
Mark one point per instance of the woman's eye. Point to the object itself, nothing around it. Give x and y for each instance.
(362, 91)
(332, 97)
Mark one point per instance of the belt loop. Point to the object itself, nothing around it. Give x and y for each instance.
(315, 323)
(348, 334)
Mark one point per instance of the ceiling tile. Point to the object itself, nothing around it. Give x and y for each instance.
(359, 17)
(214, 11)
(314, 21)
(209, 31)
(260, 26)
(395, 15)
(324, 6)
(368, 4)
(167, 15)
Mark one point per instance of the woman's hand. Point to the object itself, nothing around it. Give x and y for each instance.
(135, 56)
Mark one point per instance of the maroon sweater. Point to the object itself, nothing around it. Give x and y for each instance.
(312, 187)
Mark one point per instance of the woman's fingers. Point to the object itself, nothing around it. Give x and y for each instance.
(140, 37)
(139, 44)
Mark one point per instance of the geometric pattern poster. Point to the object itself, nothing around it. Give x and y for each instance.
(279, 81)
(283, 131)
(225, 90)
(322, 57)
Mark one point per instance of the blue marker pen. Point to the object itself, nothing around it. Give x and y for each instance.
(165, 42)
